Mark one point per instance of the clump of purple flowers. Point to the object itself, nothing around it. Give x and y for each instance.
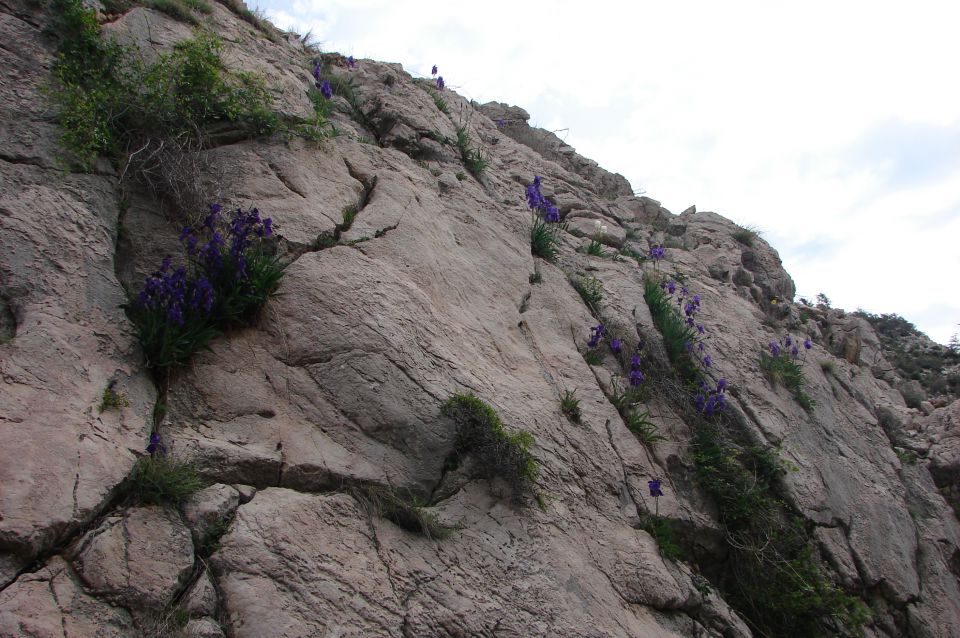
(322, 85)
(433, 71)
(597, 333)
(789, 345)
(326, 90)
(351, 62)
(231, 275)
(709, 401)
(636, 374)
(440, 83)
(656, 254)
(538, 203)
(544, 222)
(174, 295)
(783, 365)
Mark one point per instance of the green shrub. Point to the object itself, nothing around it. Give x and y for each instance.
(570, 405)
(590, 290)
(91, 75)
(773, 577)
(535, 277)
(160, 479)
(109, 103)
(480, 433)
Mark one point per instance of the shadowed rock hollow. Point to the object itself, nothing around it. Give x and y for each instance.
(338, 386)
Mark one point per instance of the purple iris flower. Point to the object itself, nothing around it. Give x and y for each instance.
(774, 348)
(721, 384)
(616, 345)
(635, 362)
(788, 341)
(155, 445)
(440, 83)
(656, 253)
(325, 89)
(433, 71)
(636, 378)
(671, 287)
(316, 70)
(708, 361)
(351, 62)
(794, 351)
(700, 328)
(654, 486)
(807, 344)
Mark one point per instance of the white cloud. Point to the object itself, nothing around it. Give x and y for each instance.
(799, 119)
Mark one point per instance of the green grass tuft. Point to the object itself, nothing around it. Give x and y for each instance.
(570, 405)
(590, 290)
(405, 511)
(593, 357)
(784, 370)
(639, 423)
(543, 237)
(160, 479)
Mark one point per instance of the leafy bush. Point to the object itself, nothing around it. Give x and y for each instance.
(481, 433)
(158, 479)
(110, 103)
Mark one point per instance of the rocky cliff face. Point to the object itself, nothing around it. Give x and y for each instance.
(335, 392)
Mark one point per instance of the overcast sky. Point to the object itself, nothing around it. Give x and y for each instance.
(832, 127)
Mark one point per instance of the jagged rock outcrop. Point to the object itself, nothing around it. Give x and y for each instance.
(338, 387)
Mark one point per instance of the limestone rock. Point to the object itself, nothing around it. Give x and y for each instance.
(202, 599)
(203, 628)
(138, 559)
(206, 512)
(51, 603)
(60, 458)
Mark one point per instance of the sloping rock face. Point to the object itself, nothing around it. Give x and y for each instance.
(339, 385)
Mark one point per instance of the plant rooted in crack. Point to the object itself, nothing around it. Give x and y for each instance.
(481, 434)
(406, 511)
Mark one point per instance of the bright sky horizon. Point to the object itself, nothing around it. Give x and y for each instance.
(833, 128)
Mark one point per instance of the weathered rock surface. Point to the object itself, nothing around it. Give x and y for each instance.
(60, 457)
(340, 382)
(139, 559)
(208, 511)
(51, 603)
